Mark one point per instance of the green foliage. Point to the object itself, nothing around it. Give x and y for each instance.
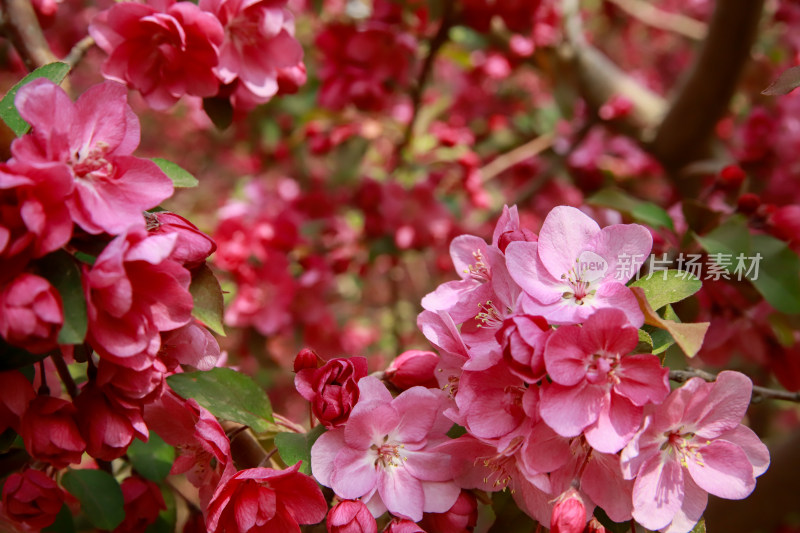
(640, 211)
(227, 394)
(668, 287)
(207, 295)
(688, 336)
(64, 522)
(295, 447)
(180, 177)
(60, 269)
(700, 527)
(55, 72)
(99, 494)
(152, 459)
(778, 278)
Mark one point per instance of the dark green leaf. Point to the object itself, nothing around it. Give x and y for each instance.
(778, 278)
(207, 295)
(227, 394)
(295, 447)
(644, 212)
(179, 176)
(165, 523)
(64, 522)
(645, 344)
(60, 269)
(99, 494)
(12, 357)
(661, 340)
(152, 459)
(55, 72)
(668, 287)
(219, 110)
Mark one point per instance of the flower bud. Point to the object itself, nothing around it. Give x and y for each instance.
(32, 498)
(398, 525)
(519, 234)
(748, 203)
(460, 518)
(351, 516)
(332, 389)
(569, 513)
(411, 368)
(143, 502)
(30, 313)
(50, 433)
(307, 358)
(17, 394)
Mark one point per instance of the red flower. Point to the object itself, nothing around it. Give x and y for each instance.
(143, 501)
(461, 518)
(50, 433)
(413, 367)
(265, 500)
(192, 246)
(332, 389)
(30, 313)
(17, 394)
(351, 516)
(32, 498)
(107, 422)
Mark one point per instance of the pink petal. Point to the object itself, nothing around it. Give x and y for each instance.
(756, 451)
(642, 379)
(724, 407)
(568, 410)
(323, 454)
(354, 473)
(566, 362)
(658, 492)
(402, 493)
(625, 247)
(616, 424)
(602, 481)
(418, 408)
(439, 496)
(566, 233)
(369, 422)
(722, 469)
(526, 268)
(695, 500)
(615, 295)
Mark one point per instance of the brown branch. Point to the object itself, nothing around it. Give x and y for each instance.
(517, 155)
(245, 448)
(63, 373)
(22, 28)
(78, 51)
(759, 393)
(684, 135)
(657, 18)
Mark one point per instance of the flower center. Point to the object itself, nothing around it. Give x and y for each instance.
(602, 368)
(489, 316)
(684, 446)
(479, 271)
(581, 289)
(501, 466)
(92, 165)
(388, 454)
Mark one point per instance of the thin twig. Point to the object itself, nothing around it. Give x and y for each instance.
(63, 373)
(517, 155)
(22, 28)
(759, 393)
(434, 46)
(78, 51)
(662, 20)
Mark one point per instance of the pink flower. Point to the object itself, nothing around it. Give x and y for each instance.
(522, 338)
(143, 502)
(691, 445)
(108, 423)
(264, 500)
(192, 247)
(134, 291)
(32, 498)
(332, 389)
(576, 267)
(596, 387)
(351, 516)
(385, 453)
(460, 518)
(30, 313)
(259, 44)
(569, 513)
(49, 431)
(191, 345)
(164, 49)
(136, 385)
(402, 525)
(412, 368)
(93, 139)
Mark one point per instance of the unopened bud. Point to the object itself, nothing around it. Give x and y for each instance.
(351, 516)
(569, 513)
(411, 368)
(307, 358)
(748, 203)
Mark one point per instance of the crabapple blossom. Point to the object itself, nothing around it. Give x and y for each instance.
(350, 516)
(164, 49)
(596, 387)
(50, 433)
(18, 394)
(143, 502)
(32, 498)
(107, 422)
(332, 389)
(576, 267)
(412, 368)
(262, 500)
(402, 525)
(460, 518)
(691, 445)
(92, 138)
(191, 345)
(569, 513)
(30, 313)
(386, 453)
(192, 246)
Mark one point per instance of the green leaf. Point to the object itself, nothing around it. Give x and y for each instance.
(152, 459)
(64, 522)
(99, 494)
(778, 276)
(60, 269)
(688, 336)
(644, 212)
(668, 286)
(700, 527)
(55, 72)
(12, 357)
(207, 295)
(179, 176)
(227, 394)
(165, 523)
(295, 447)
(645, 344)
(661, 340)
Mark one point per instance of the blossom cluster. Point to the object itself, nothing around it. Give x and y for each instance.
(539, 362)
(165, 49)
(74, 196)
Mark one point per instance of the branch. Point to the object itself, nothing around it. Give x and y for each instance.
(759, 393)
(22, 28)
(434, 46)
(684, 134)
(517, 155)
(78, 51)
(662, 20)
